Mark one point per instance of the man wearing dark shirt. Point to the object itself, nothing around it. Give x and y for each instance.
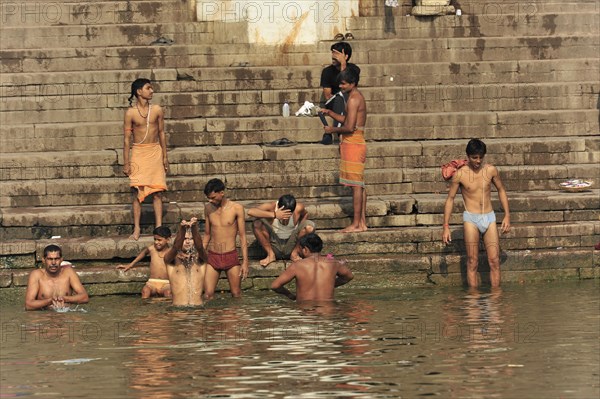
(332, 97)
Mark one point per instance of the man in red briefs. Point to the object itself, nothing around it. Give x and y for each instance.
(225, 219)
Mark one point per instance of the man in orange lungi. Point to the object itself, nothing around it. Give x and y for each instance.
(148, 164)
(353, 147)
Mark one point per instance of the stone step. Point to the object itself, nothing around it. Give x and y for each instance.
(246, 186)
(117, 83)
(383, 210)
(144, 30)
(424, 240)
(409, 98)
(66, 13)
(104, 36)
(491, 11)
(229, 131)
(538, 24)
(407, 155)
(365, 52)
(381, 126)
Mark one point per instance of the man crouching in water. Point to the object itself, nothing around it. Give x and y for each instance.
(54, 286)
(186, 265)
(316, 275)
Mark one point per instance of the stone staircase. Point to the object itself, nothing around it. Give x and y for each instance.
(526, 80)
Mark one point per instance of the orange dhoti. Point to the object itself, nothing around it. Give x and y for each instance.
(353, 154)
(147, 170)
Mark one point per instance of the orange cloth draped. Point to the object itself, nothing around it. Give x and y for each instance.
(353, 154)
(147, 170)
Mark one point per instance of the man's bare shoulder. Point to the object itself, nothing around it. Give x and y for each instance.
(69, 271)
(236, 206)
(37, 273)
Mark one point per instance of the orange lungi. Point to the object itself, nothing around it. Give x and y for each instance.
(353, 154)
(147, 170)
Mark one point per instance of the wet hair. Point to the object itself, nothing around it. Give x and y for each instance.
(214, 186)
(343, 46)
(287, 201)
(162, 231)
(311, 241)
(135, 86)
(476, 147)
(349, 75)
(52, 248)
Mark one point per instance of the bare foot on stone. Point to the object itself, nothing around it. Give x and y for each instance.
(136, 234)
(267, 261)
(352, 229)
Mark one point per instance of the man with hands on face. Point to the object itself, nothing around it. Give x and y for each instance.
(279, 226)
(332, 98)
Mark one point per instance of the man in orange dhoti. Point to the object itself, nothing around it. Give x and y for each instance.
(353, 147)
(148, 163)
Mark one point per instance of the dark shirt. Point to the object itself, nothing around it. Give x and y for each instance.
(329, 77)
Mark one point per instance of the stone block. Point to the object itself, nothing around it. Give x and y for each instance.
(20, 278)
(17, 261)
(5, 279)
(589, 273)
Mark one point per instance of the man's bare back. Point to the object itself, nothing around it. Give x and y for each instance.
(316, 276)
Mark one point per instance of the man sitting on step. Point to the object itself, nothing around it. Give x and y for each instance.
(279, 226)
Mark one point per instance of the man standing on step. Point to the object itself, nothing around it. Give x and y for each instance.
(475, 181)
(316, 276)
(278, 227)
(148, 164)
(54, 286)
(224, 220)
(332, 98)
(353, 147)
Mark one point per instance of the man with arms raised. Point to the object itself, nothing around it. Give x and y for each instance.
(185, 265)
(224, 220)
(316, 275)
(55, 285)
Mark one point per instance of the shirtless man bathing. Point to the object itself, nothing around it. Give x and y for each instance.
(316, 275)
(54, 286)
(186, 265)
(475, 181)
(224, 220)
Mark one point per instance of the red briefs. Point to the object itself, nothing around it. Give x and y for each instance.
(223, 261)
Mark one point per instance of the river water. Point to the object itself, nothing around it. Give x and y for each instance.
(535, 341)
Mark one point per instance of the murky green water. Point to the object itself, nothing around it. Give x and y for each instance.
(537, 341)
